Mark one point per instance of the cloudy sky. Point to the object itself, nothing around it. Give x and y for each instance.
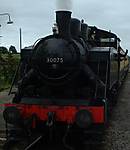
(36, 18)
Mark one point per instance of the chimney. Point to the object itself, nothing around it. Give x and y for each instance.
(63, 19)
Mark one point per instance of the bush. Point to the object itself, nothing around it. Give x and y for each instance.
(8, 66)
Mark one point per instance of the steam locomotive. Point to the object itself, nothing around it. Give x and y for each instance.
(66, 81)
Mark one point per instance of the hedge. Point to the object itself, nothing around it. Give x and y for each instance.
(8, 66)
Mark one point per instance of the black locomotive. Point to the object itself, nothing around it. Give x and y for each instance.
(67, 79)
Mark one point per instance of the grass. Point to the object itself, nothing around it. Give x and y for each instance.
(4, 85)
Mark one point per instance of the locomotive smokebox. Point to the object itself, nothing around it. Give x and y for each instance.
(63, 19)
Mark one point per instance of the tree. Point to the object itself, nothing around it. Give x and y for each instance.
(3, 50)
(12, 50)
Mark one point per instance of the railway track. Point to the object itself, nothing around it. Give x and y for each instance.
(88, 141)
(2, 138)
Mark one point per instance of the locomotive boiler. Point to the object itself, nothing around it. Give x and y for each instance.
(66, 81)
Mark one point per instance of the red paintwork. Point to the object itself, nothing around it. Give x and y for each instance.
(62, 113)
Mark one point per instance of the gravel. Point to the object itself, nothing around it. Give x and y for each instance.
(118, 133)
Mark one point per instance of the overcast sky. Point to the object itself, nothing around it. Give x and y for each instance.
(36, 18)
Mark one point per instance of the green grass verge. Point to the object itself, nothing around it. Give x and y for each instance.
(4, 85)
